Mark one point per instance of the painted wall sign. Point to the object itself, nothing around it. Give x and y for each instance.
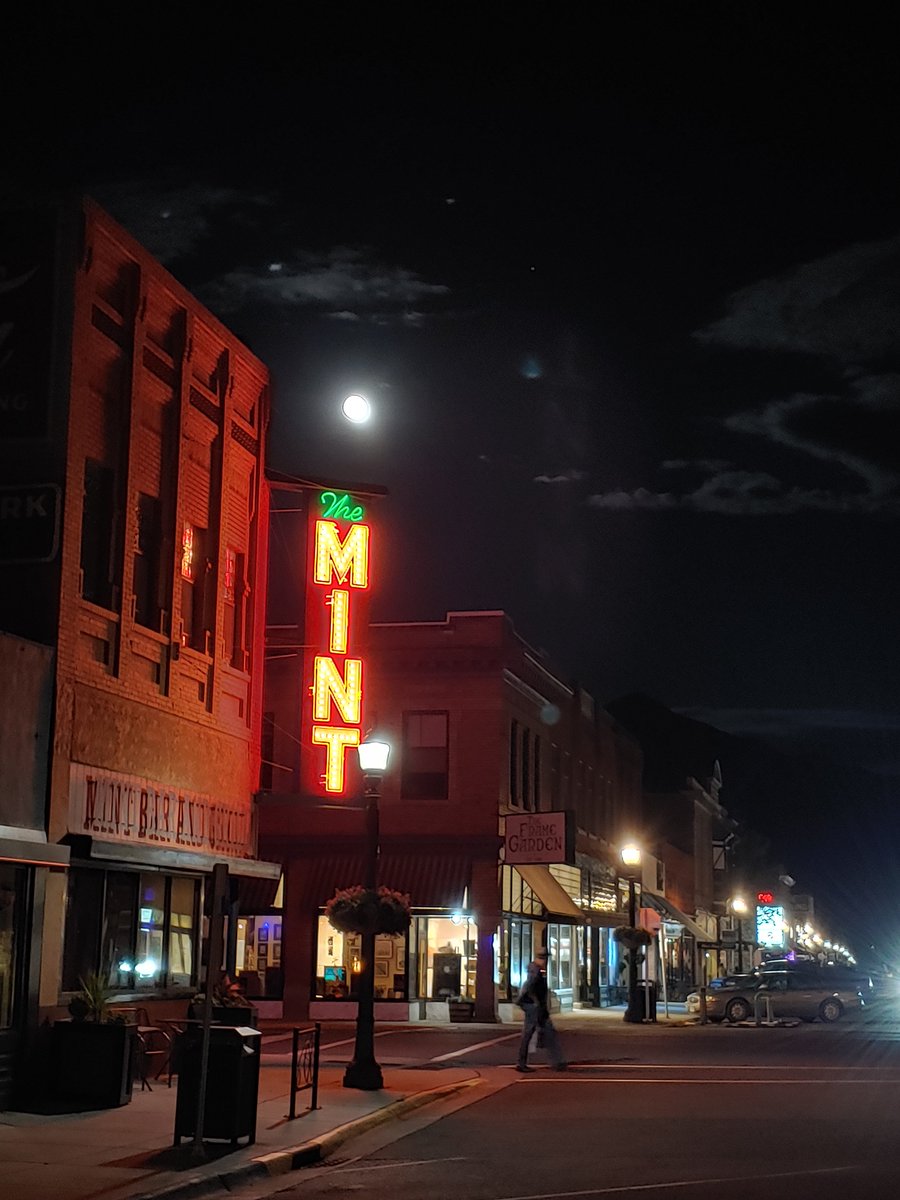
(29, 522)
(127, 808)
(337, 590)
(537, 838)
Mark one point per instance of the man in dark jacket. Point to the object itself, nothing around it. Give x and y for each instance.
(534, 1000)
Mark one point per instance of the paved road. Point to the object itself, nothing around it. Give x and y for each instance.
(804, 1112)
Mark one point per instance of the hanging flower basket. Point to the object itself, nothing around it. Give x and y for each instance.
(360, 910)
(632, 937)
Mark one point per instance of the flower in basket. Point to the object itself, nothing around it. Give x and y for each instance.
(632, 937)
(361, 910)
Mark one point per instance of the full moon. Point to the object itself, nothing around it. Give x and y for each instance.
(356, 409)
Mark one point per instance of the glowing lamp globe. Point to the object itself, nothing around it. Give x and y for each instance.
(374, 753)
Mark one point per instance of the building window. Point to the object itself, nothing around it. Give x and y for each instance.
(146, 562)
(527, 801)
(196, 590)
(536, 806)
(140, 930)
(425, 759)
(514, 763)
(235, 593)
(97, 534)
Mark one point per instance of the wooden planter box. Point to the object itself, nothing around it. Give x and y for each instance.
(93, 1065)
(461, 1010)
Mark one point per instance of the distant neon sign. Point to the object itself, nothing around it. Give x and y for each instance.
(338, 576)
(770, 925)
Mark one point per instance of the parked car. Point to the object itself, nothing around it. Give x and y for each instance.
(795, 993)
(727, 983)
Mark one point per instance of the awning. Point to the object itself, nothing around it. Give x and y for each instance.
(33, 852)
(431, 881)
(162, 858)
(255, 893)
(668, 910)
(550, 892)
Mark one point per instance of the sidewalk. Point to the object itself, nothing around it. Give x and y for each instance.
(129, 1152)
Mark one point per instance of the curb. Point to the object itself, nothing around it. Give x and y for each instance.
(281, 1162)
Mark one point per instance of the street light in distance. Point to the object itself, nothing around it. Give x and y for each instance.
(738, 906)
(631, 855)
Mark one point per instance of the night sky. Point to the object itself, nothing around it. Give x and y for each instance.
(624, 296)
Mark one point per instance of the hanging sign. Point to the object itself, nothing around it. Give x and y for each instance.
(337, 592)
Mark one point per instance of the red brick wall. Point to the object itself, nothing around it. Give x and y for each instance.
(168, 397)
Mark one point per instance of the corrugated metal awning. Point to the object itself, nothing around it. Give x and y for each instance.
(667, 909)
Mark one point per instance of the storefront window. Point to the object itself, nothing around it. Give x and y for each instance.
(447, 955)
(138, 929)
(181, 932)
(120, 910)
(12, 884)
(149, 951)
(338, 964)
(258, 956)
(521, 952)
(559, 967)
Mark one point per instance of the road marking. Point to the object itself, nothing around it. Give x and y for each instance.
(477, 1046)
(568, 1078)
(607, 1066)
(387, 1166)
(682, 1183)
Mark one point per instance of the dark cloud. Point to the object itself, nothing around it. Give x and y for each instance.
(745, 494)
(573, 475)
(343, 281)
(172, 220)
(844, 306)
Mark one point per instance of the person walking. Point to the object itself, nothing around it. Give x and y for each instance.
(534, 1000)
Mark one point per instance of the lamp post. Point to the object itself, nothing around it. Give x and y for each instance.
(739, 907)
(363, 1071)
(631, 858)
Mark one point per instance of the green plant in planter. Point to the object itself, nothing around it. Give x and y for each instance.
(361, 910)
(92, 1002)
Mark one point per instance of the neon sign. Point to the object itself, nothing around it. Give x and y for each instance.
(338, 575)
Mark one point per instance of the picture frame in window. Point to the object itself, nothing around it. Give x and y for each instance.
(276, 952)
(401, 959)
(382, 968)
(384, 948)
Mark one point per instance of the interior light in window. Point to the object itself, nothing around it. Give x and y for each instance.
(146, 968)
(124, 965)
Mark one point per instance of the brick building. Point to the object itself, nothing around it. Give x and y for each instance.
(134, 540)
(483, 732)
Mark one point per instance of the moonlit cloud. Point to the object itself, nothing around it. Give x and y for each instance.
(343, 282)
(844, 306)
(573, 475)
(745, 494)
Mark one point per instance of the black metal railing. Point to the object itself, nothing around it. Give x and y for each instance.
(305, 1066)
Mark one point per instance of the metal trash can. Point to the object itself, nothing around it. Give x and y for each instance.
(648, 993)
(232, 1083)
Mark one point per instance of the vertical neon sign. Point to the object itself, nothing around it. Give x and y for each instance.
(336, 617)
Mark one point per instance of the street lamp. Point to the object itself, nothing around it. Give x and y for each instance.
(631, 858)
(739, 907)
(363, 1071)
